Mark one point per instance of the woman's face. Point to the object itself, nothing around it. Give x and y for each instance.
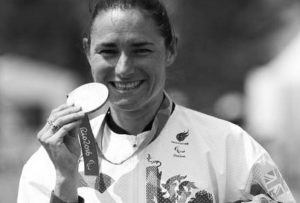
(128, 54)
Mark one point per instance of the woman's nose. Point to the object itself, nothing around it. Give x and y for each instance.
(124, 66)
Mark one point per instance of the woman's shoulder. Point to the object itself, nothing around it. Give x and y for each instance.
(205, 121)
(215, 130)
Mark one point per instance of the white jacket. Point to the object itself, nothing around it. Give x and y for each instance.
(196, 158)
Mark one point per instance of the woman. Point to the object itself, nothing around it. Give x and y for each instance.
(150, 149)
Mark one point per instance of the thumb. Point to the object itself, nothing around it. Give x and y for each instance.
(72, 142)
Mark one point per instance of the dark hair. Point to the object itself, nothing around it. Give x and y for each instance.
(155, 8)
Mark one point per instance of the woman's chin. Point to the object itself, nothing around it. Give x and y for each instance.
(125, 104)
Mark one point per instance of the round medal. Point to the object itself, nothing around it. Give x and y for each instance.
(90, 97)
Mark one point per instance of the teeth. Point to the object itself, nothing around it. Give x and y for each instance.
(127, 85)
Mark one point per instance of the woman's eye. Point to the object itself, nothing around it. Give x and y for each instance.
(143, 51)
(108, 52)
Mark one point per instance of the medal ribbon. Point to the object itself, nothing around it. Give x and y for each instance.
(161, 118)
(90, 148)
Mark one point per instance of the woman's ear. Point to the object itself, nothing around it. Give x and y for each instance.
(86, 46)
(172, 51)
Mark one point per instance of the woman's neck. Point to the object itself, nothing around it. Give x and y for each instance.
(135, 121)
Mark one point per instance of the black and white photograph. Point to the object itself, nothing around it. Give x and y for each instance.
(149, 101)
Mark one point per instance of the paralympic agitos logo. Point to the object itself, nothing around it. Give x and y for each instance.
(180, 146)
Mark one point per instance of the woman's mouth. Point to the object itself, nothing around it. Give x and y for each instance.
(127, 85)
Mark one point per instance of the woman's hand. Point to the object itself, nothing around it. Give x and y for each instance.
(59, 138)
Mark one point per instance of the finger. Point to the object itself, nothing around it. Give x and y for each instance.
(69, 118)
(42, 131)
(58, 137)
(54, 127)
(72, 142)
(46, 131)
(72, 136)
(55, 113)
(68, 110)
(61, 107)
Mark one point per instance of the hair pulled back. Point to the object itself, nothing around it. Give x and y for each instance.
(155, 8)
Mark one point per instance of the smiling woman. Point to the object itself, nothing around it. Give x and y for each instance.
(149, 148)
(128, 54)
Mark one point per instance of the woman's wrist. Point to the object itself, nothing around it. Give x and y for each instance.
(62, 176)
(55, 199)
(66, 188)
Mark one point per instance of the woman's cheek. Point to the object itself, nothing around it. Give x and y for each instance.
(101, 70)
(101, 76)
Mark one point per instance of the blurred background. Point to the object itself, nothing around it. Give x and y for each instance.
(238, 60)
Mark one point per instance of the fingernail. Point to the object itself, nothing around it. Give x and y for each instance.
(76, 107)
(72, 103)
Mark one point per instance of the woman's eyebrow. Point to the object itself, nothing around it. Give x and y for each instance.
(141, 44)
(107, 44)
(113, 45)
(100, 46)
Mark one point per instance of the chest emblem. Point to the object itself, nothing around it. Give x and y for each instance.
(181, 136)
(176, 189)
(180, 145)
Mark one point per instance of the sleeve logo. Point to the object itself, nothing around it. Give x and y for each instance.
(275, 183)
